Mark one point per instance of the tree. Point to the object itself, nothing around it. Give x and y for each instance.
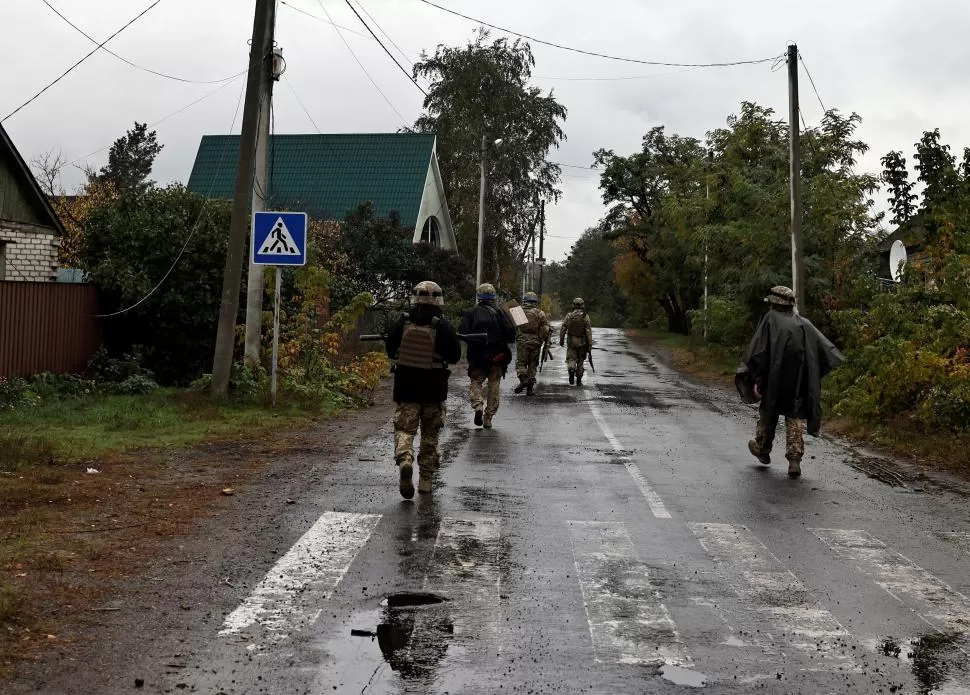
(482, 90)
(130, 161)
(129, 246)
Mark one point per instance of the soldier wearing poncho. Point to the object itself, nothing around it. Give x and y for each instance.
(423, 344)
(783, 371)
(577, 328)
(528, 346)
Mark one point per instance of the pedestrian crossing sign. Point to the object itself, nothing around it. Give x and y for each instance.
(279, 238)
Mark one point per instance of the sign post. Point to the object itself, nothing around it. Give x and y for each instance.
(278, 239)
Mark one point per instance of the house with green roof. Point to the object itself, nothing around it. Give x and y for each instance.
(328, 176)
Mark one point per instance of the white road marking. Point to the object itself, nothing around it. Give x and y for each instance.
(628, 622)
(925, 594)
(759, 578)
(653, 499)
(288, 597)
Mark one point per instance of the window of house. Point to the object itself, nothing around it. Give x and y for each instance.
(430, 232)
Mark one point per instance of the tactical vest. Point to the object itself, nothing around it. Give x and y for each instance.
(575, 325)
(417, 347)
(531, 328)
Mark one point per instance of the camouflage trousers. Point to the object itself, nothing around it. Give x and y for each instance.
(408, 418)
(576, 358)
(527, 354)
(794, 441)
(490, 400)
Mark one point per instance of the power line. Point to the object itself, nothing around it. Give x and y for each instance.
(128, 62)
(404, 54)
(171, 115)
(195, 226)
(66, 72)
(807, 72)
(325, 21)
(300, 102)
(389, 54)
(379, 91)
(595, 54)
(613, 79)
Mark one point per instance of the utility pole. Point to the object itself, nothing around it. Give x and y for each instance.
(261, 183)
(707, 231)
(260, 52)
(481, 218)
(542, 236)
(795, 179)
(532, 265)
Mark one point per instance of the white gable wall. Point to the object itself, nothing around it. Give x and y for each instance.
(433, 204)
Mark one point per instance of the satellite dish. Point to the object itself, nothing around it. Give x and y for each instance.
(897, 260)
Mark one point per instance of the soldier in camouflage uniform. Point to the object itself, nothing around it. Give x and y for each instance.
(528, 346)
(488, 359)
(577, 327)
(423, 344)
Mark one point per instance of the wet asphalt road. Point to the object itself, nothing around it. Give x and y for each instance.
(610, 538)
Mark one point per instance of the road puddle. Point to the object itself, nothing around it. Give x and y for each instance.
(678, 675)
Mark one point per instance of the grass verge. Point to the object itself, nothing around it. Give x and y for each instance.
(687, 354)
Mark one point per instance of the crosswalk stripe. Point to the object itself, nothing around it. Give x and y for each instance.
(759, 578)
(288, 596)
(628, 622)
(653, 499)
(931, 598)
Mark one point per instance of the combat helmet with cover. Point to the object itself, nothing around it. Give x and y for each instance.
(530, 298)
(485, 291)
(578, 303)
(428, 292)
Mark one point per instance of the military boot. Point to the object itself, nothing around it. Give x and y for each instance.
(406, 484)
(579, 379)
(531, 385)
(478, 417)
(572, 376)
(488, 421)
(756, 451)
(794, 468)
(523, 382)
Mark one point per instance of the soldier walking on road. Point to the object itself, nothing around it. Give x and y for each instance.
(784, 367)
(577, 327)
(487, 359)
(528, 346)
(423, 344)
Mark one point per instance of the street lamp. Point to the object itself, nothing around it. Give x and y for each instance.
(481, 215)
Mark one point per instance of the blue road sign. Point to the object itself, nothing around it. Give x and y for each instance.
(278, 238)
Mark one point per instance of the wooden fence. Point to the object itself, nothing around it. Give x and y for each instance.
(47, 327)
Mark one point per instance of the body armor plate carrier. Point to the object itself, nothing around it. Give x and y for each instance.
(417, 348)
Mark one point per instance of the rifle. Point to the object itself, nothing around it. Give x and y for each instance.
(589, 357)
(546, 355)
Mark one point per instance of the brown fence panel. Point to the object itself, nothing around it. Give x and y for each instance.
(47, 327)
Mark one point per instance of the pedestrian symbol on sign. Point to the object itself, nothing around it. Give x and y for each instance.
(279, 242)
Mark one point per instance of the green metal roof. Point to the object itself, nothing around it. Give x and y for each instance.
(327, 176)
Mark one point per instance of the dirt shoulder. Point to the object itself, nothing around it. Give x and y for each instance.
(74, 540)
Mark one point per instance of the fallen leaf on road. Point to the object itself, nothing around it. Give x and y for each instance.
(228, 491)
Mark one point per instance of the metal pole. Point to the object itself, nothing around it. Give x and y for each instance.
(542, 237)
(278, 272)
(481, 219)
(260, 51)
(254, 283)
(707, 197)
(794, 155)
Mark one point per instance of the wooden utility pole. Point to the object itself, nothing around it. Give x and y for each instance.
(254, 282)
(260, 53)
(542, 237)
(795, 182)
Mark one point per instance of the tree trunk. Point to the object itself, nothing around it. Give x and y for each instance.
(677, 321)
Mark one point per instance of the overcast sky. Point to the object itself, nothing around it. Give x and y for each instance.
(898, 64)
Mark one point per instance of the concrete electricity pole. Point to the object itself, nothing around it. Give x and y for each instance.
(481, 218)
(542, 237)
(795, 179)
(254, 283)
(260, 53)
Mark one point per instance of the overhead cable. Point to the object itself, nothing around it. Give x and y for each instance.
(302, 105)
(379, 90)
(594, 53)
(68, 71)
(128, 62)
(325, 21)
(404, 54)
(194, 228)
(804, 65)
(390, 55)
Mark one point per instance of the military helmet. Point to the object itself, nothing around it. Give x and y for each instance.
(530, 298)
(486, 291)
(578, 303)
(428, 292)
(779, 294)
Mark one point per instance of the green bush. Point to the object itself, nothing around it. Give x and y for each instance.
(16, 393)
(726, 320)
(245, 382)
(105, 368)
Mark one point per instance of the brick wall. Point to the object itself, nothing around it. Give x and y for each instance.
(30, 254)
